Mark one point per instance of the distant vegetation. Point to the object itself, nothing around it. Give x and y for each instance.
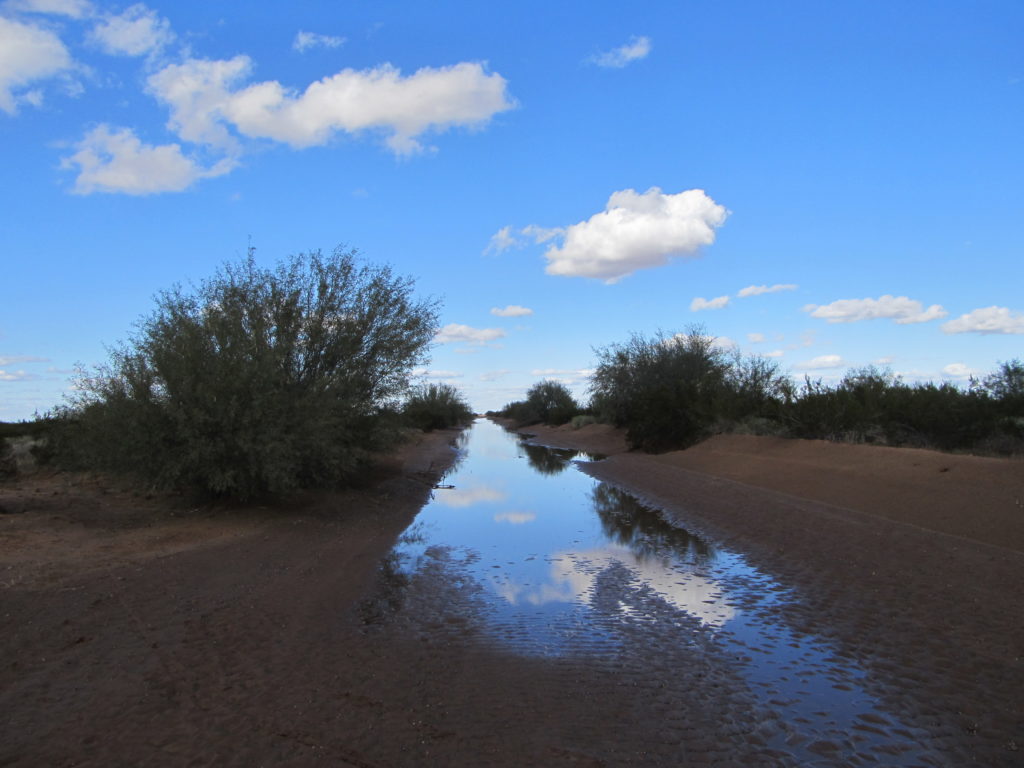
(547, 402)
(260, 381)
(436, 406)
(671, 391)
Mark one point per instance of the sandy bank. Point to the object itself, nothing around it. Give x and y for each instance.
(913, 561)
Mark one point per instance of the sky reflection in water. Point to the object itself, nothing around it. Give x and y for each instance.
(545, 539)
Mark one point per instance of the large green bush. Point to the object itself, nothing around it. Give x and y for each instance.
(666, 391)
(259, 381)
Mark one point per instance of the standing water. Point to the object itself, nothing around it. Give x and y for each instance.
(549, 562)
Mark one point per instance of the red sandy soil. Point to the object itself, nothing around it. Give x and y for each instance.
(912, 560)
(144, 632)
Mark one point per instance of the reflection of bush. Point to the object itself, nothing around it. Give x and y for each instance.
(548, 461)
(628, 522)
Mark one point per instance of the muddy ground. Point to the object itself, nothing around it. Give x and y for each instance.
(145, 631)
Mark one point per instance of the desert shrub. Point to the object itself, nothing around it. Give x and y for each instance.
(552, 401)
(583, 420)
(666, 391)
(547, 402)
(436, 406)
(258, 381)
(8, 464)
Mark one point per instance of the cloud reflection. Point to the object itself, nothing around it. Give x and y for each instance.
(574, 578)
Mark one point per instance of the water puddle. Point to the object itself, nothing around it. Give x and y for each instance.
(543, 560)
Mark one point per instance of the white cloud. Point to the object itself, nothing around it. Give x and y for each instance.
(987, 320)
(899, 308)
(512, 310)
(17, 376)
(494, 375)
(137, 31)
(578, 372)
(515, 518)
(27, 54)
(306, 40)
(115, 160)
(454, 332)
(541, 234)
(501, 240)
(774, 353)
(823, 361)
(76, 9)
(429, 374)
(636, 231)
(758, 290)
(205, 103)
(887, 360)
(637, 48)
(700, 303)
(959, 371)
(506, 238)
(755, 338)
(6, 360)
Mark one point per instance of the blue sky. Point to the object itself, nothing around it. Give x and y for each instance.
(832, 184)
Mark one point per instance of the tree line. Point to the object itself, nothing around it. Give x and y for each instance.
(671, 391)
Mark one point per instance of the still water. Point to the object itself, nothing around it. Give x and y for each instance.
(544, 560)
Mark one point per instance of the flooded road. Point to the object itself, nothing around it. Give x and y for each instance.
(538, 559)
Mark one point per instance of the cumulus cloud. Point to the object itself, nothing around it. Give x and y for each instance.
(700, 303)
(306, 40)
(136, 31)
(821, 362)
(455, 333)
(959, 371)
(637, 48)
(774, 353)
(759, 290)
(115, 160)
(512, 310)
(76, 9)
(27, 54)
(636, 231)
(987, 320)
(899, 308)
(755, 338)
(206, 99)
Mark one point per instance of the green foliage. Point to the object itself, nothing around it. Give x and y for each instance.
(257, 382)
(547, 402)
(672, 391)
(869, 405)
(436, 406)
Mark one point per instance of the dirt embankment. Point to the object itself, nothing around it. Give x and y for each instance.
(912, 560)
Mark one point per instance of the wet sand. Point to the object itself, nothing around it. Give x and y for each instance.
(911, 560)
(143, 631)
